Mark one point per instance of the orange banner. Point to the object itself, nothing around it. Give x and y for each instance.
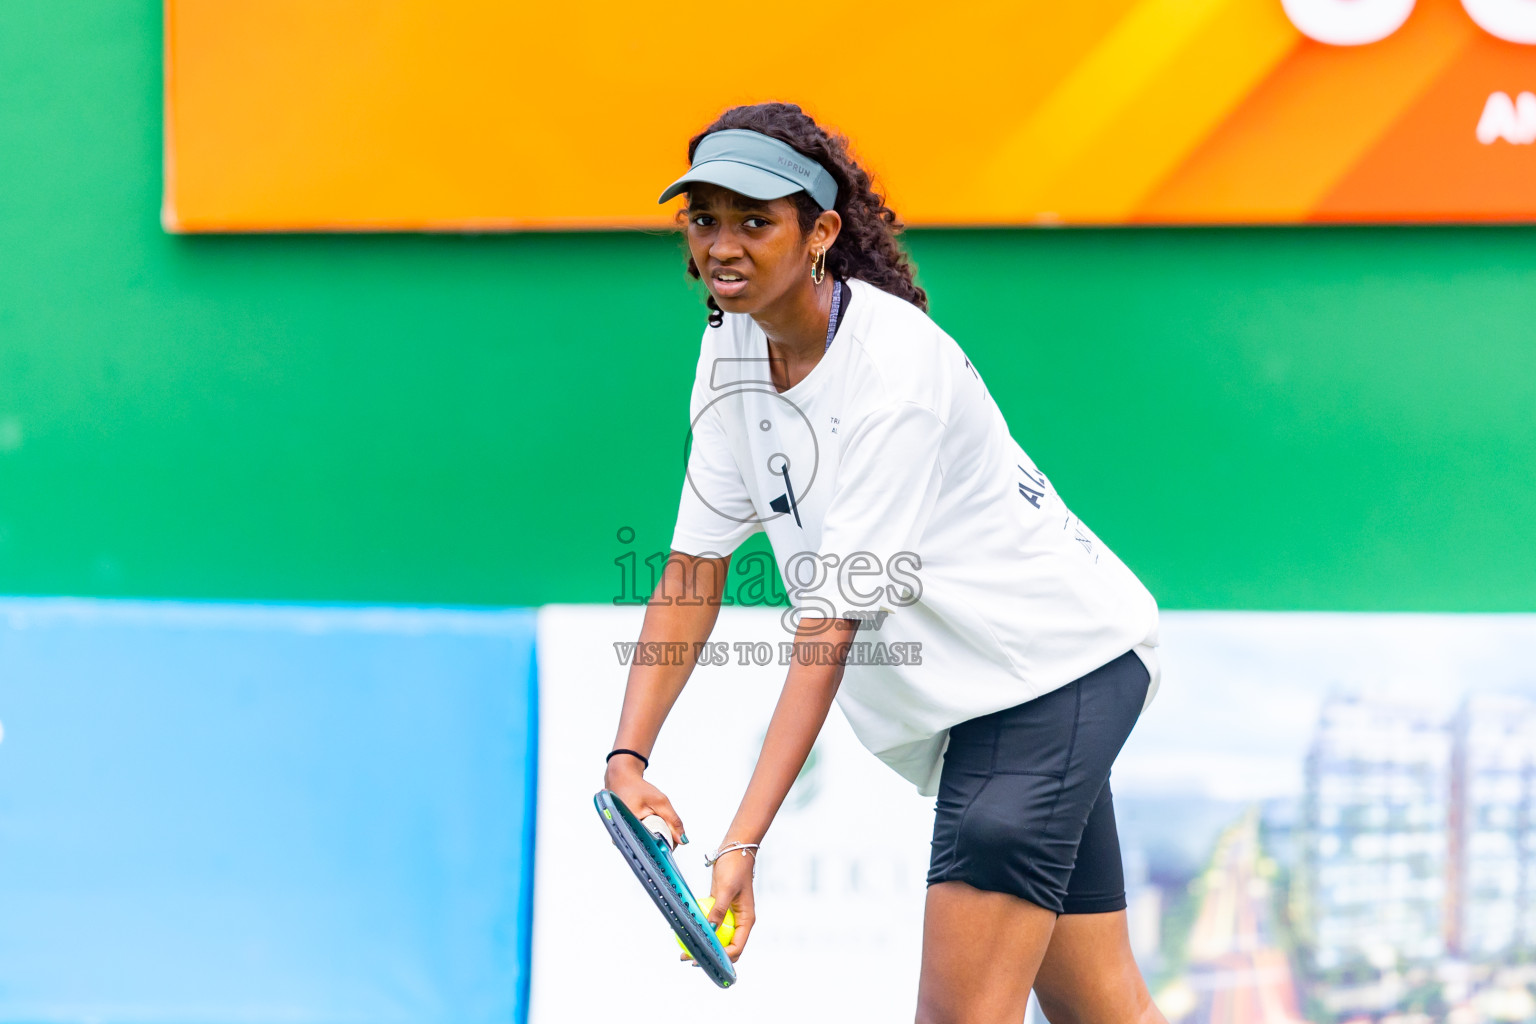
(290, 115)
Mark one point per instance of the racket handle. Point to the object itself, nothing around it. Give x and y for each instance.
(658, 828)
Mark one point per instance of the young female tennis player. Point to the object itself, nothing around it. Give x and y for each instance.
(1016, 652)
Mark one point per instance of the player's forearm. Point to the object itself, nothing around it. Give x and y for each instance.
(679, 618)
(797, 719)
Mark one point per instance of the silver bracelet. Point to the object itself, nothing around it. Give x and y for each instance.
(745, 848)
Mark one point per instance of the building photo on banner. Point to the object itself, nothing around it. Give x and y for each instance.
(376, 448)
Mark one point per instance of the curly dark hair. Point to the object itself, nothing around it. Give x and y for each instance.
(866, 247)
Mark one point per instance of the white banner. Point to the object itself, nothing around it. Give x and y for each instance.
(840, 881)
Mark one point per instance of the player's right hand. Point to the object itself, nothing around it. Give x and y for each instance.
(643, 799)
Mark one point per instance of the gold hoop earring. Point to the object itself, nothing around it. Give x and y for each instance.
(819, 266)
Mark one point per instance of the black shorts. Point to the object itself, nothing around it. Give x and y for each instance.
(1024, 804)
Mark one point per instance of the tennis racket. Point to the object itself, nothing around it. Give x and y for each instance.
(647, 849)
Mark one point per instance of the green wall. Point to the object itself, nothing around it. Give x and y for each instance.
(1315, 418)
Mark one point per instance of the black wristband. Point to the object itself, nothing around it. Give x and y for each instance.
(644, 761)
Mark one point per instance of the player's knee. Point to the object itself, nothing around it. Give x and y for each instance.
(927, 1013)
(1057, 1011)
(1062, 1008)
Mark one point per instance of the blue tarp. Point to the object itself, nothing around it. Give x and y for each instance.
(224, 814)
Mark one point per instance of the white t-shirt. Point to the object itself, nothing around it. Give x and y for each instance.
(887, 481)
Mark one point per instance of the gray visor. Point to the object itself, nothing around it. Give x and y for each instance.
(756, 166)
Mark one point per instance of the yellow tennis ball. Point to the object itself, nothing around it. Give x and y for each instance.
(726, 930)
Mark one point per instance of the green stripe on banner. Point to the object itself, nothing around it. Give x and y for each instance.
(1312, 418)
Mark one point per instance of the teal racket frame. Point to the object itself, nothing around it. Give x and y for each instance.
(651, 860)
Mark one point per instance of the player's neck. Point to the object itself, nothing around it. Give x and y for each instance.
(796, 327)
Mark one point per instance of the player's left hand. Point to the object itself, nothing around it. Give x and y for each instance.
(731, 887)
